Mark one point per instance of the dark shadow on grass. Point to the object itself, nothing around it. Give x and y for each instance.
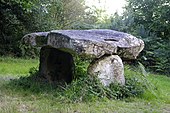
(34, 84)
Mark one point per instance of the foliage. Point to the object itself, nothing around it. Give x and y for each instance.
(30, 94)
(28, 51)
(11, 22)
(148, 20)
(83, 88)
(57, 14)
(81, 65)
(19, 17)
(17, 99)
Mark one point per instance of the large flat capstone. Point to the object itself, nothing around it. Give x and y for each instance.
(107, 46)
(93, 43)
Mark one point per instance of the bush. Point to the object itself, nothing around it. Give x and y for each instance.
(83, 88)
(28, 51)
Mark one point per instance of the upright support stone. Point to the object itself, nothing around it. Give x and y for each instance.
(56, 65)
(109, 69)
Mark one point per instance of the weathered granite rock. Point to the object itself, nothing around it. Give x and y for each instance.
(56, 65)
(94, 43)
(109, 69)
(56, 61)
(36, 39)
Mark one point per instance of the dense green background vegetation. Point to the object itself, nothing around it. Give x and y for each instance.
(146, 19)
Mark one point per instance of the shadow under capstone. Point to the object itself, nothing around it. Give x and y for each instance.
(56, 65)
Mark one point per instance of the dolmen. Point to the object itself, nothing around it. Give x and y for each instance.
(106, 47)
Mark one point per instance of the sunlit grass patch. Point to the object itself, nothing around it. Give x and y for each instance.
(162, 85)
(16, 66)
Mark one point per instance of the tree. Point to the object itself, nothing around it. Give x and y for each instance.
(149, 20)
(58, 14)
(153, 14)
(19, 17)
(12, 24)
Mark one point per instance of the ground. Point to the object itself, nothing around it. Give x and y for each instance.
(14, 100)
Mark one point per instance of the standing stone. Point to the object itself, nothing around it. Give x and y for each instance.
(108, 69)
(56, 65)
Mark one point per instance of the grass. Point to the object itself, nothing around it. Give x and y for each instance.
(16, 66)
(16, 98)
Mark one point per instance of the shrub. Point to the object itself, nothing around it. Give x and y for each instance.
(83, 88)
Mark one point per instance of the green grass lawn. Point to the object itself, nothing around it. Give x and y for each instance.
(20, 100)
(16, 66)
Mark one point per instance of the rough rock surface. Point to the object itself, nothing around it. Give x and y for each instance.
(94, 43)
(36, 39)
(56, 65)
(56, 61)
(109, 69)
